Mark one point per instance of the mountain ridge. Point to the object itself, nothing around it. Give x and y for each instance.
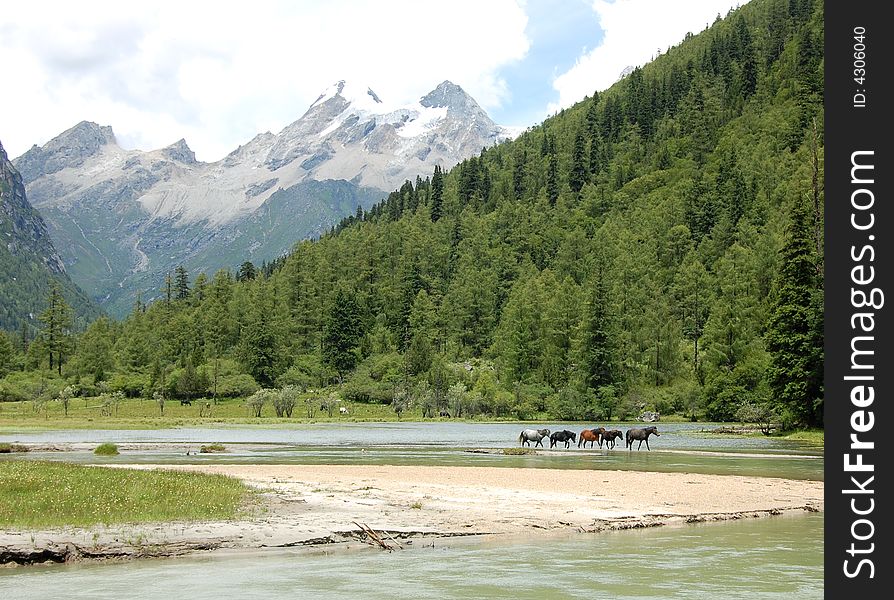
(28, 259)
(119, 214)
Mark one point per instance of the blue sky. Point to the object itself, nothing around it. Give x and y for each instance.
(164, 70)
(558, 38)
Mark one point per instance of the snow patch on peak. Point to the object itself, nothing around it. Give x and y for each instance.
(361, 97)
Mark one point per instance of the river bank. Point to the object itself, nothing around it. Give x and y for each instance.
(314, 505)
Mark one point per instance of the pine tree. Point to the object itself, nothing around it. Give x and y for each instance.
(552, 180)
(181, 283)
(598, 355)
(343, 332)
(578, 175)
(258, 345)
(795, 329)
(437, 194)
(247, 272)
(56, 321)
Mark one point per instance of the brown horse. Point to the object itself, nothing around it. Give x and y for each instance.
(591, 435)
(609, 438)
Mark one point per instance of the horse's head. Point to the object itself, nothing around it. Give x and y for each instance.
(654, 430)
(543, 432)
(573, 436)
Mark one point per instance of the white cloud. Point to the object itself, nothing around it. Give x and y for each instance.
(635, 31)
(217, 75)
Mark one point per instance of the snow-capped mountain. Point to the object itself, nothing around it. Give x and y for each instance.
(123, 218)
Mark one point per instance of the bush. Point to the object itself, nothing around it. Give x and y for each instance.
(212, 448)
(284, 401)
(6, 448)
(107, 449)
(256, 401)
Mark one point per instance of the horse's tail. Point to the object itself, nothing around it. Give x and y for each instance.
(521, 436)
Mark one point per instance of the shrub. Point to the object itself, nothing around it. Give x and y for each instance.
(211, 448)
(106, 449)
(284, 401)
(256, 401)
(6, 448)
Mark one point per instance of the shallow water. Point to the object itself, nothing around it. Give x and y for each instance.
(769, 558)
(681, 447)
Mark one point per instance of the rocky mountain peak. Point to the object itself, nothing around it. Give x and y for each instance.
(180, 152)
(68, 149)
(452, 96)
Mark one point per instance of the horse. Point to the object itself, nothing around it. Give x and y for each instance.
(562, 436)
(591, 435)
(609, 438)
(641, 435)
(532, 435)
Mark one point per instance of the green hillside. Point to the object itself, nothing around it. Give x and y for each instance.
(657, 246)
(29, 264)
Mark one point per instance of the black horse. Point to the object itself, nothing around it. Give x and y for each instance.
(641, 435)
(562, 436)
(609, 438)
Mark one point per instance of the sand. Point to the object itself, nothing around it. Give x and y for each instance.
(312, 505)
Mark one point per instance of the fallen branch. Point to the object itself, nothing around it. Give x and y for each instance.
(370, 532)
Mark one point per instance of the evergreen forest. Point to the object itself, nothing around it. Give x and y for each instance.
(657, 246)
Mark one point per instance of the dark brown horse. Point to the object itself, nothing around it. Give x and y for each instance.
(591, 435)
(609, 438)
(642, 435)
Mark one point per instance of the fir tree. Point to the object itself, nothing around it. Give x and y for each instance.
(578, 175)
(598, 358)
(343, 332)
(552, 180)
(181, 283)
(437, 194)
(246, 272)
(795, 329)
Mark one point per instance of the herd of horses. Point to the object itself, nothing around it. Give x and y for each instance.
(598, 435)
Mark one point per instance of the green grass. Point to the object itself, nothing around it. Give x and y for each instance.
(135, 413)
(107, 449)
(43, 494)
(815, 436)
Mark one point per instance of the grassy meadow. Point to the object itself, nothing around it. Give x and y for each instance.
(42, 494)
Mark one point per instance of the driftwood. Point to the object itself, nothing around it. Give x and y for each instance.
(371, 534)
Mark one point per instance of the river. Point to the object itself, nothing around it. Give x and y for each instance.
(767, 558)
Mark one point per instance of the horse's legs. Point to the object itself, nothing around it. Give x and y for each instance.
(647, 443)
